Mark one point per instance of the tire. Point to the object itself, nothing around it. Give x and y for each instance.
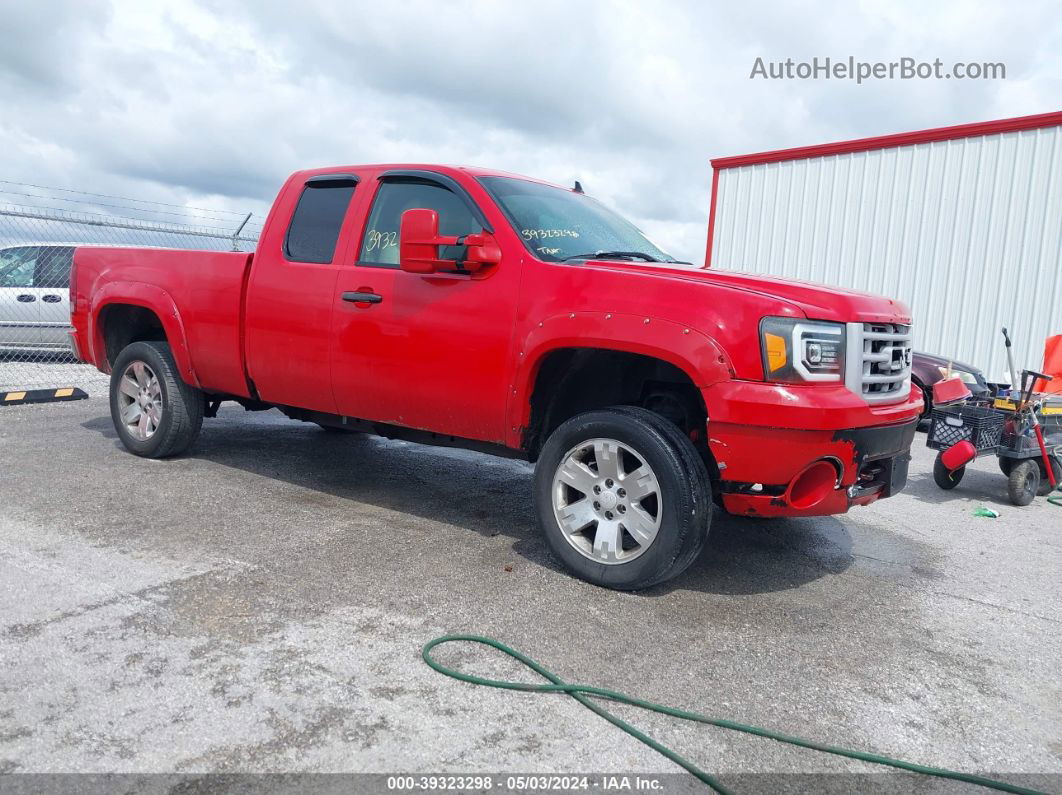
(1045, 482)
(698, 471)
(1024, 482)
(946, 478)
(174, 410)
(1005, 465)
(669, 522)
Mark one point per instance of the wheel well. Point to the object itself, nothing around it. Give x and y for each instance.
(123, 324)
(571, 381)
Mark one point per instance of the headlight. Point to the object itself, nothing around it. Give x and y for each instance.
(797, 351)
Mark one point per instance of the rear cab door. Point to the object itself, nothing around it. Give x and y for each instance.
(291, 289)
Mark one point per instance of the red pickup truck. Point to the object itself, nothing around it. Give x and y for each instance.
(466, 307)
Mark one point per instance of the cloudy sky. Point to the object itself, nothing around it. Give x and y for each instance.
(210, 103)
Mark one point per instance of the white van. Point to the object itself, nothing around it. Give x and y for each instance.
(34, 297)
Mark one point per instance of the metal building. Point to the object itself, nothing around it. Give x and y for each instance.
(962, 223)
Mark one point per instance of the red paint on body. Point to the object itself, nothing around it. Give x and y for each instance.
(458, 354)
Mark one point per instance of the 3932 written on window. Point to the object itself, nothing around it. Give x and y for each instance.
(380, 243)
(315, 224)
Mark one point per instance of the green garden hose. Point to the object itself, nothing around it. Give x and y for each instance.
(581, 693)
(1057, 498)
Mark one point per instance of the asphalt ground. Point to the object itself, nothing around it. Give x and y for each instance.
(259, 605)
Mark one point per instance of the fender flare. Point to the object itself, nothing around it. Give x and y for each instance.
(691, 351)
(149, 297)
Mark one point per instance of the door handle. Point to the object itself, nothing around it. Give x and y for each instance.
(362, 298)
(52, 299)
(26, 299)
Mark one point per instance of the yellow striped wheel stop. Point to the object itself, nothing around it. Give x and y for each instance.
(22, 396)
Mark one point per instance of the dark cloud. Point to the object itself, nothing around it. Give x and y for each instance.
(219, 100)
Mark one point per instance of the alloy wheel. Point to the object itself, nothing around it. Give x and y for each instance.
(607, 501)
(140, 401)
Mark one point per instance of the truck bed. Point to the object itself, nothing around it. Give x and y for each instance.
(196, 294)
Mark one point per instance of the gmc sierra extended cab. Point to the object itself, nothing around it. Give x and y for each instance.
(466, 307)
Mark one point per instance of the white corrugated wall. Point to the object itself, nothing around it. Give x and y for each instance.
(967, 232)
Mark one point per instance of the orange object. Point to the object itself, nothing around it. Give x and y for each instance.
(949, 390)
(1052, 365)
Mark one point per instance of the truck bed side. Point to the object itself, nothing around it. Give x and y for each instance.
(196, 296)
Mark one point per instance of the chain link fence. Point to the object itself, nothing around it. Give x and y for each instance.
(36, 249)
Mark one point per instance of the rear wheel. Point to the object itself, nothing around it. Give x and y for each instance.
(622, 497)
(1023, 483)
(946, 478)
(155, 413)
(1005, 465)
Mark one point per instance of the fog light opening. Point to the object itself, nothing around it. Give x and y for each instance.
(812, 486)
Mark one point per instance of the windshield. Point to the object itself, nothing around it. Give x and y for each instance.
(558, 224)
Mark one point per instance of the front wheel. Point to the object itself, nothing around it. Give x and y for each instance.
(946, 478)
(1024, 482)
(155, 413)
(622, 497)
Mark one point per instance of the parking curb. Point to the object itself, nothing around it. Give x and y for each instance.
(23, 396)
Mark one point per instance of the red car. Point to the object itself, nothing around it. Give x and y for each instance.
(467, 307)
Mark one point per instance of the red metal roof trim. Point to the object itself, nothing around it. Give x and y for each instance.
(899, 139)
(711, 217)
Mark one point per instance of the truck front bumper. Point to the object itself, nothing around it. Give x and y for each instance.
(787, 450)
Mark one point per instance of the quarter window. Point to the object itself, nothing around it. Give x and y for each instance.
(315, 225)
(380, 244)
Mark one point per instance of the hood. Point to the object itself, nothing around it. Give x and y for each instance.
(816, 301)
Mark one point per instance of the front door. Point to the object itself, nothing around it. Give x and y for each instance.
(428, 351)
(19, 305)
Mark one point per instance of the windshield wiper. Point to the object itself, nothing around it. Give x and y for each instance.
(612, 255)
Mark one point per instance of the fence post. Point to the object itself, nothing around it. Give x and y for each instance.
(236, 234)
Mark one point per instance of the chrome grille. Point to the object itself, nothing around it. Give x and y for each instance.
(878, 362)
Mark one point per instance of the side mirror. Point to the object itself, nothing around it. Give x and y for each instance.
(419, 241)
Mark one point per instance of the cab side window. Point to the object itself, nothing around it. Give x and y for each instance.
(316, 222)
(16, 266)
(379, 246)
